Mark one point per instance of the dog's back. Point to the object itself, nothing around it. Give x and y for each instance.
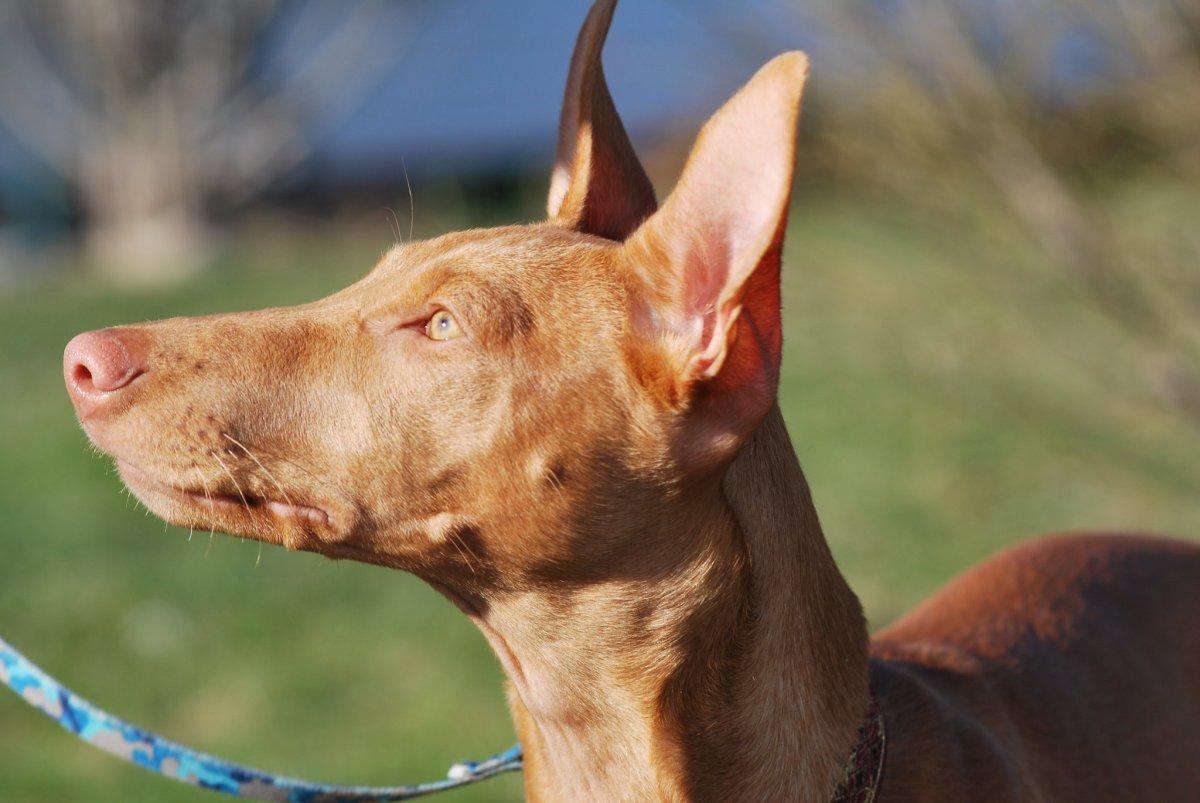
(1064, 669)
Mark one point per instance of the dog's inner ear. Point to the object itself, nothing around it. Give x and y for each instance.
(598, 185)
(708, 262)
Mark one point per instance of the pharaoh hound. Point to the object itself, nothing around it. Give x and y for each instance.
(570, 430)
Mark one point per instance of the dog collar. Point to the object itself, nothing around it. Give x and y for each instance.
(156, 754)
(864, 770)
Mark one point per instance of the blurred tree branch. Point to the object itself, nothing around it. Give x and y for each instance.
(154, 111)
(946, 80)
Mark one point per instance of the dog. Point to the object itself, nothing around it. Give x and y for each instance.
(570, 430)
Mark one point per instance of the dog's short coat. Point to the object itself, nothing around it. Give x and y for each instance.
(570, 429)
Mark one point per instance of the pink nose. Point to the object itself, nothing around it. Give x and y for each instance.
(97, 365)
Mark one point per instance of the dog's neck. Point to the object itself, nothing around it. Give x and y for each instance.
(741, 670)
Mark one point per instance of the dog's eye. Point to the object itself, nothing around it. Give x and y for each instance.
(442, 326)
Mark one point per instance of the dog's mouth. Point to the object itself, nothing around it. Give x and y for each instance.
(237, 512)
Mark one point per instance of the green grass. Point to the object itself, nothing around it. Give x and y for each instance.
(948, 394)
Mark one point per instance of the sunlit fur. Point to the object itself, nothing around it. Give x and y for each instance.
(597, 473)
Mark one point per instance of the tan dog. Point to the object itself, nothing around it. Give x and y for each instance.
(570, 429)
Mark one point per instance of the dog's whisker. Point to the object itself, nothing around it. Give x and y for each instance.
(395, 223)
(318, 482)
(274, 481)
(236, 484)
(212, 530)
(412, 208)
(458, 548)
(464, 550)
(270, 476)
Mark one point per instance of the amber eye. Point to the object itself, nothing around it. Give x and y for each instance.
(442, 326)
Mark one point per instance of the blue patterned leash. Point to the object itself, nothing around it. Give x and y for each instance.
(152, 752)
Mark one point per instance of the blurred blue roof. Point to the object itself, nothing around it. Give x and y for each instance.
(477, 84)
(464, 86)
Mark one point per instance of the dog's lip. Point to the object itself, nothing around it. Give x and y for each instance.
(214, 501)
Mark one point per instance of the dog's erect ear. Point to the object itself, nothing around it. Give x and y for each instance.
(709, 260)
(598, 185)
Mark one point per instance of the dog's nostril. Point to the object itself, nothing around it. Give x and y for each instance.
(98, 364)
(82, 376)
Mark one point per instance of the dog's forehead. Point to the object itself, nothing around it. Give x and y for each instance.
(538, 262)
(508, 253)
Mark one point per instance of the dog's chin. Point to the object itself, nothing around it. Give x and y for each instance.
(273, 521)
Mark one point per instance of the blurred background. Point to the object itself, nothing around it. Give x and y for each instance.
(992, 311)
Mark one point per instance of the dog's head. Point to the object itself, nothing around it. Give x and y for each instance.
(490, 408)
